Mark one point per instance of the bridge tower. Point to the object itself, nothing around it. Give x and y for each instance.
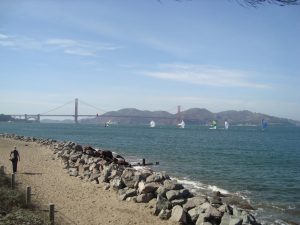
(76, 110)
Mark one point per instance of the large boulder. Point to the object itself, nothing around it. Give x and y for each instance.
(161, 204)
(178, 215)
(173, 194)
(129, 177)
(144, 198)
(172, 185)
(165, 214)
(193, 202)
(78, 148)
(147, 187)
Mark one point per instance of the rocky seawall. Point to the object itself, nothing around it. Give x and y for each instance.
(167, 198)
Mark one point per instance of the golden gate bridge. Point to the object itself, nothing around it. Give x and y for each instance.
(76, 115)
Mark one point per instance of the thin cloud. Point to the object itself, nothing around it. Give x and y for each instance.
(204, 75)
(67, 46)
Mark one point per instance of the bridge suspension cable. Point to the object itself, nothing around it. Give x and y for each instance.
(57, 107)
(87, 104)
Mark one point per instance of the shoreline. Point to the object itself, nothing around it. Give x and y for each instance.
(162, 196)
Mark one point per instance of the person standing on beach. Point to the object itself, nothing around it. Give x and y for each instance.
(14, 158)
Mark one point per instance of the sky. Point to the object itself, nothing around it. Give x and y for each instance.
(148, 54)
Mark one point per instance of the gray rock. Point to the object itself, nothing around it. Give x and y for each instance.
(225, 208)
(94, 176)
(129, 177)
(144, 198)
(216, 201)
(117, 183)
(237, 201)
(235, 221)
(205, 205)
(73, 172)
(178, 202)
(130, 192)
(193, 202)
(172, 185)
(161, 191)
(213, 212)
(173, 194)
(185, 193)
(178, 215)
(78, 148)
(165, 214)
(236, 212)
(194, 213)
(155, 177)
(202, 218)
(148, 187)
(225, 219)
(161, 203)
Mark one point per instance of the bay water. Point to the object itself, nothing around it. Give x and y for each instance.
(262, 167)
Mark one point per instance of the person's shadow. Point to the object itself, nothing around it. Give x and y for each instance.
(28, 173)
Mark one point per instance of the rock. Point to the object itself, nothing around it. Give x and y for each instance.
(235, 221)
(144, 198)
(213, 212)
(147, 187)
(94, 176)
(202, 218)
(193, 202)
(178, 202)
(73, 172)
(172, 185)
(173, 194)
(225, 208)
(129, 178)
(78, 148)
(161, 191)
(161, 203)
(237, 201)
(216, 201)
(194, 213)
(236, 212)
(205, 205)
(185, 193)
(178, 214)
(225, 219)
(165, 214)
(155, 177)
(248, 218)
(117, 183)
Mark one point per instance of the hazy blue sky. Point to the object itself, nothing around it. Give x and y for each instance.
(149, 54)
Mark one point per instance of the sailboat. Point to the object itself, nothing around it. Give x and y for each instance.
(213, 125)
(264, 124)
(226, 124)
(181, 124)
(152, 123)
(107, 123)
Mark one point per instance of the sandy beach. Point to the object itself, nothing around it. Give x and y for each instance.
(77, 202)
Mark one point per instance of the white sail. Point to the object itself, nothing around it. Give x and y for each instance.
(213, 125)
(107, 123)
(152, 123)
(226, 124)
(181, 124)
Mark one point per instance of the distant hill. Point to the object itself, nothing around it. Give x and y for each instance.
(195, 116)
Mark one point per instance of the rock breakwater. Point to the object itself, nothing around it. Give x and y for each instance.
(167, 198)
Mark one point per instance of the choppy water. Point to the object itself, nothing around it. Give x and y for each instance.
(261, 166)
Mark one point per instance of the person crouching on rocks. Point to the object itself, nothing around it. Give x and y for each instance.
(14, 158)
